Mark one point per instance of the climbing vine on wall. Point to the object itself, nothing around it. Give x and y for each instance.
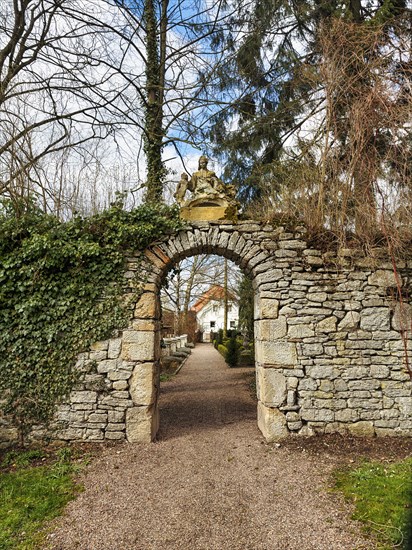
(60, 285)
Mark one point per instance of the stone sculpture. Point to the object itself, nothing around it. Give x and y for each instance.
(211, 198)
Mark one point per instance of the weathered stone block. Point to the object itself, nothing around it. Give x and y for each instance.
(98, 355)
(119, 375)
(292, 244)
(405, 405)
(327, 325)
(141, 424)
(120, 385)
(272, 423)
(276, 353)
(271, 386)
(383, 278)
(367, 384)
(120, 395)
(402, 317)
(115, 427)
(147, 307)
(107, 365)
(71, 434)
(346, 415)
(94, 435)
(292, 382)
(300, 331)
(295, 426)
(322, 371)
(308, 384)
(312, 350)
(140, 346)
(379, 371)
(363, 428)
(115, 345)
(314, 260)
(116, 416)
(97, 417)
(359, 403)
(100, 346)
(292, 416)
(318, 415)
(83, 397)
(270, 329)
(115, 435)
(350, 321)
(143, 389)
(375, 318)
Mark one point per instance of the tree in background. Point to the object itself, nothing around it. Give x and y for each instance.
(134, 73)
(190, 279)
(321, 102)
(53, 90)
(169, 96)
(246, 308)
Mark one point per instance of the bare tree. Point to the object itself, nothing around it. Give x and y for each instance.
(53, 90)
(170, 60)
(191, 278)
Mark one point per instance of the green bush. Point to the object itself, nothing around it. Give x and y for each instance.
(219, 337)
(233, 351)
(60, 288)
(222, 350)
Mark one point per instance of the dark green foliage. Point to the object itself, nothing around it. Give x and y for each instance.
(233, 351)
(272, 76)
(246, 305)
(59, 291)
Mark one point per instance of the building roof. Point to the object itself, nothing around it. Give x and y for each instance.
(215, 292)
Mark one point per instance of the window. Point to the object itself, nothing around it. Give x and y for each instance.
(232, 324)
(215, 308)
(229, 308)
(212, 324)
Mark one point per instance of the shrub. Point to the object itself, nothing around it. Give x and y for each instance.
(222, 350)
(233, 351)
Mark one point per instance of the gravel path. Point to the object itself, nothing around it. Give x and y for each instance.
(210, 482)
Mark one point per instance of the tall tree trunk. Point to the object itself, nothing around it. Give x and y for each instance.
(225, 307)
(153, 137)
(188, 292)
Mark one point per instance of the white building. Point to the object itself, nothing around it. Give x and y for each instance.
(210, 311)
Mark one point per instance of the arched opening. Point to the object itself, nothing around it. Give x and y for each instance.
(204, 304)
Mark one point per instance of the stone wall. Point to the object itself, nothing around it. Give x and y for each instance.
(330, 356)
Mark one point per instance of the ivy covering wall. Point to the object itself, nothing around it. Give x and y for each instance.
(60, 288)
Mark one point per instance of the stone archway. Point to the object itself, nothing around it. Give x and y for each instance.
(250, 245)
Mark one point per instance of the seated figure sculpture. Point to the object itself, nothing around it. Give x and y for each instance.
(206, 188)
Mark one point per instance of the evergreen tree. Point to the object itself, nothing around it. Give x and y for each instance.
(233, 352)
(275, 78)
(246, 303)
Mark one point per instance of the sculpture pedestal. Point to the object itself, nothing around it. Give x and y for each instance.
(208, 213)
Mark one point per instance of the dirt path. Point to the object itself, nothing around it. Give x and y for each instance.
(210, 482)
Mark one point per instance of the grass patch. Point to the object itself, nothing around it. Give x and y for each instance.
(33, 490)
(165, 377)
(382, 494)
